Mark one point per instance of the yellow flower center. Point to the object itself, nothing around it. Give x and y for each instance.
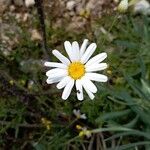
(76, 70)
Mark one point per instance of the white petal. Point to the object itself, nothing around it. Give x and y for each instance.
(90, 50)
(96, 67)
(90, 94)
(96, 59)
(68, 48)
(83, 47)
(63, 82)
(89, 84)
(75, 112)
(68, 89)
(97, 77)
(83, 116)
(54, 80)
(75, 50)
(56, 73)
(61, 57)
(53, 64)
(79, 90)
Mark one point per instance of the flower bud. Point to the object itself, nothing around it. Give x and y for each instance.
(123, 6)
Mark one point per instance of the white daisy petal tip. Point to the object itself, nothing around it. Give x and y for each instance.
(76, 51)
(54, 51)
(48, 81)
(104, 55)
(96, 59)
(47, 73)
(66, 43)
(88, 53)
(58, 86)
(67, 89)
(80, 99)
(61, 57)
(91, 95)
(93, 45)
(45, 63)
(86, 40)
(96, 67)
(106, 65)
(106, 79)
(83, 47)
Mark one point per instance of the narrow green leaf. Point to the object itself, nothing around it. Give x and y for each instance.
(143, 116)
(113, 115)
(116, 128)
(124, 147)
(127, 133)
(132, 123)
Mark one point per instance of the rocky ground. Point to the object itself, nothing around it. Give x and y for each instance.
(74, 14)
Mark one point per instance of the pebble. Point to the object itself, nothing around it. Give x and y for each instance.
(3, 5)
(70, 5)
(142, 7)
(29, 3)
(18, 2)
(35, 35)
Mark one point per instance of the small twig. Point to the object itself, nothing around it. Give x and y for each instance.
(118, 143)
(103, 142)
(61, 131)
(110, 28)
(99, 143)
(42, 136)
(83, 146)
(39, 6)
(90, 146)
(25, 125)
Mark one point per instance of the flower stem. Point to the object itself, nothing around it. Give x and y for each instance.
(38, 4)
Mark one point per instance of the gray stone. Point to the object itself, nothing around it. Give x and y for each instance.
(70, 5)
(142, 7)
(4, 5)
(5, 2)
(18, 2)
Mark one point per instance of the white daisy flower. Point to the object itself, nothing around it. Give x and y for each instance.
(78, 114)
(78, 70)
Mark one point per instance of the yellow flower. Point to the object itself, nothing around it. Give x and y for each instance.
(123, 6)
(109, 72)
(84, 131)
(78, 127)
(22, 82)
(47, 123)
(85, 13)
(11, 82)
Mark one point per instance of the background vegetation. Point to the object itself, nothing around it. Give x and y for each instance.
(32, 113)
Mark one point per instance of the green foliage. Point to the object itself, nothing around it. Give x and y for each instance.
(119, 117)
